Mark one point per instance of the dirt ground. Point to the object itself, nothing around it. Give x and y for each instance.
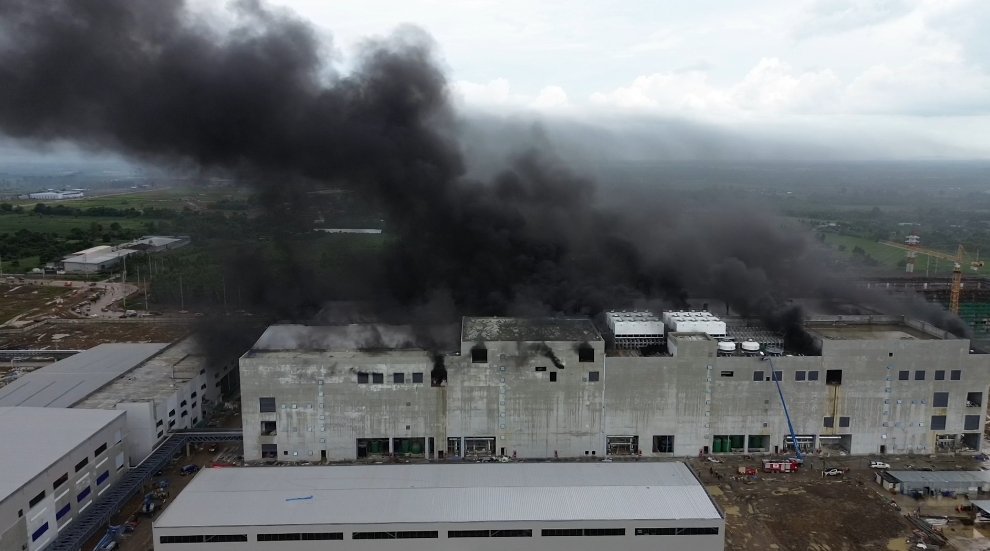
(83, 334)
(806, 511)
(26, 302)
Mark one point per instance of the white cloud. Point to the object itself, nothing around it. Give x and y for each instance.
(550, 97)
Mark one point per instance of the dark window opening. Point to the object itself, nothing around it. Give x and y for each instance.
(362, 378)
(676, 531)
(833, 376)
(939, 374)
(268, 428)
(180, 539)
(971, 422)
(490, 534)
(974, 399)
(592, 376)
(919, 375)
(99, 450)
(812, 375)
(417, 377)
(266, 404)
(219, 538)
(60, 480)
(36, 499)
(800, 375)
(758, 376)
(81, 464)
(398, 378)
(269, 451)
(479, 355)
(83, 495)
(182, 404)
(586, 354)
(409, 534)
(541, 368)
(727, 374)
(63, 511)
(843, 422)
(39, 532)
(303, 536)
(102, 478)
(903, 375)
(438, 375)
(940, 400)
(955, 375)
(171, 413)
(663, 443)
(938, 422)
(550, 532)
(828, 422)
(553, 377)
(377, 378)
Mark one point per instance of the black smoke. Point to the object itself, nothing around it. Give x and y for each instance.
(257, 99)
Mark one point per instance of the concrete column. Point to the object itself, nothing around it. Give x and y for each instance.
(463, 450)
(391, 446)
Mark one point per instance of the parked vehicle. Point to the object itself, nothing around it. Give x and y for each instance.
(832, 472)
(879, 465)
(188, 469)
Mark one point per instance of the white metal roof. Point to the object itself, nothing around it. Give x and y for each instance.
(395, 494)
(941, 477)
(35, 438)
(69, 381)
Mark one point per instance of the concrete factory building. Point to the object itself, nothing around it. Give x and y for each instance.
(55, 462)
(95, 260)
(162, 387)
(520, 506)
(543, 388)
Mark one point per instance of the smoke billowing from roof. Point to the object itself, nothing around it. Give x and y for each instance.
(146, 79)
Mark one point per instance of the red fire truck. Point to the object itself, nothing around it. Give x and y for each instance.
(780, 465)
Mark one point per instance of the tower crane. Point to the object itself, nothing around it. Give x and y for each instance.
(913, 248)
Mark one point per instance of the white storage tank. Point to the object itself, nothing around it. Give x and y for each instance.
(750, 347)
(726, 348)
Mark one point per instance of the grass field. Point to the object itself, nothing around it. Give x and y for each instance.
(10, 223)
(889, 257)
(171, 198)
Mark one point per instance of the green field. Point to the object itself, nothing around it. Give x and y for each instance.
(890, 259)
(171, 198)
(10, 223)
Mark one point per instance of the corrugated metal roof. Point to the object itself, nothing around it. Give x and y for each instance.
(69, 381)
(36, 437)
(981, 504)
(388, 494)
(937, 477)
(528, 329)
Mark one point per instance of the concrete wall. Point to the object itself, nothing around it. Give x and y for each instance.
(693, 396)
(19, 521)
(630, 540)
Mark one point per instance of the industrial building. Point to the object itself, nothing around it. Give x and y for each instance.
(94, 260)
(935, 483)
(162, 387)
(55, 462)
(156, 243)
(521, 506)
(544, 388)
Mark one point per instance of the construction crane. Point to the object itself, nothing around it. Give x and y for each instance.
(787, 414)
(913, 249)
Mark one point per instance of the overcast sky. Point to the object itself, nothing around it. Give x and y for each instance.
(915, 68)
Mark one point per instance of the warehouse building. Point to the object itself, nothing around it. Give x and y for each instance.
(935, 483)
(94, 260)
(517, 506)
(55, 462)
(156, 243)
(544, 388)
(162, 387)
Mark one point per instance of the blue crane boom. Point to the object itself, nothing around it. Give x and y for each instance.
(787, 414)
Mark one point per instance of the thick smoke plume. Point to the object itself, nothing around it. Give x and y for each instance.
(145, 78)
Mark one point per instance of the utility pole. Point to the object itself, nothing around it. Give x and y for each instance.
(223, 282)
(182, 301)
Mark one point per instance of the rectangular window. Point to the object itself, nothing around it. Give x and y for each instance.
(219, 538)
(398, 378)
(843, 422)
(39, 532)
(183, 404)
(677, 531)
(919, 375)
(558, 532)
(410, 534)
(417, 377)
(60, 480)
(184, 413)
(36, 499)
(193, 395)
(83, 495)
(939, 374)
(971, 422)
(833, 376)
(479, 355)
(828, 422)
(938, 422)
(171, 423)
(193, 406)
(171, 413)
(550, 532)
(800, 375)
(377, 378)
(778, 375)
(102, 478)
(812, 375)
(490, 534)
(903, 375)
(940, 400)
(304, 536)
(541, 368)
(180, 539)
(553, 377)
(758, 376)
(955, 375)
(82, 464)
(99, 450)
(727, 374)
(586, 354)
(663, 443)
(362, 378)
(592, 376)
(66, 509)
(159, 423)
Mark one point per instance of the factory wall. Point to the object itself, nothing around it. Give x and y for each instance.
(690, 402)
(321, 405)
(68, 487)
(435, 537)
(533, 406)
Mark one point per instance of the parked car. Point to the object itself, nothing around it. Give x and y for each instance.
(832, 472)
(188, 469)
(879, 465)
